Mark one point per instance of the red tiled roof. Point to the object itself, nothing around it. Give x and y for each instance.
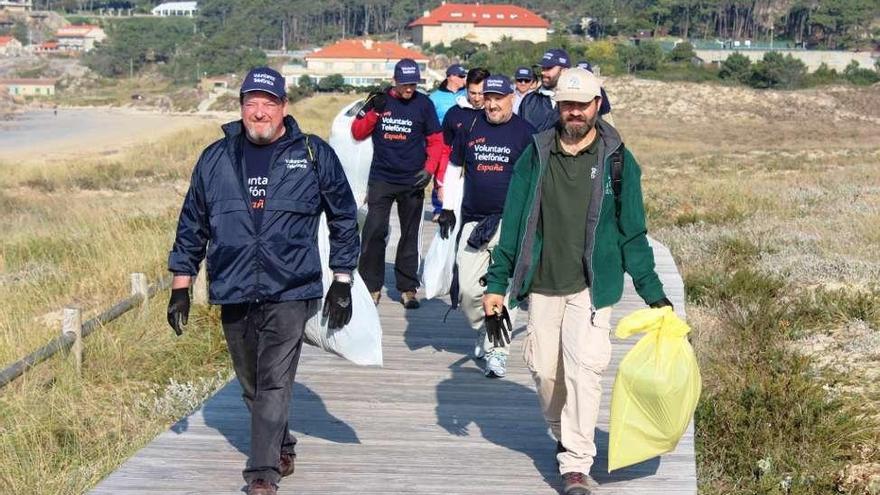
(75, 31)
(482, 16)
(4, 40)
(49, 45)
(28, 82)
(366, 49)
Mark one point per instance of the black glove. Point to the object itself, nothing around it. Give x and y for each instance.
(661, 303)
(422, 179)
(446, 221)
(337, 304)
(499, 328)
(178, 309)
(375, 101)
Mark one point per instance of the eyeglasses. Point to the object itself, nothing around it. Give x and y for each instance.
(523, 80)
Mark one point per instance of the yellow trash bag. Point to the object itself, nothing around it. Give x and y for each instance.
(656, 388)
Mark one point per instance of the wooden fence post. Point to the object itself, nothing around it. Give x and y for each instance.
(72, 323)
(200, 286)
(139, 287)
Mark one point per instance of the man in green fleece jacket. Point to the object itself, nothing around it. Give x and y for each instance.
(566, 240)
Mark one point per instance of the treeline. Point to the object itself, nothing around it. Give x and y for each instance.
(275, 24)
(649, 60)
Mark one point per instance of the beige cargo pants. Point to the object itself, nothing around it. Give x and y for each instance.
(567, 348)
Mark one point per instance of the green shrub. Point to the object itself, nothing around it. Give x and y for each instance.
(737, 67)
(859, 76)
(682, 52)
(778, 72)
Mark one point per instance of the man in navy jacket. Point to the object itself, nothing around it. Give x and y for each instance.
(253, 207)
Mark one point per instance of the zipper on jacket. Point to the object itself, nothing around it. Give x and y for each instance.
(592, 272)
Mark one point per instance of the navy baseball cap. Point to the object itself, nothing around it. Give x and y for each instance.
(497, 84)
(456, 70)
(406, 71)
(583, 64)
(264, 79)
(555, 57)
(524, 73)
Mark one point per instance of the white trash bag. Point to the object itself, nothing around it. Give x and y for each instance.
(437, 271)
(355, 156)
(361, 340)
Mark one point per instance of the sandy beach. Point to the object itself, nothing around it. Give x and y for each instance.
(40, 134)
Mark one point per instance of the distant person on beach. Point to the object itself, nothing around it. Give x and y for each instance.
(407, 146)
(573, 223)
(253, 208)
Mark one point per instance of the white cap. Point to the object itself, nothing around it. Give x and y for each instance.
(577, 84)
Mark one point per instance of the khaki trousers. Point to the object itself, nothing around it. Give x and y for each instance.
(472, 264)
(567, 349)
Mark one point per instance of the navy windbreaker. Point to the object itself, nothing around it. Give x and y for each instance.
(280, 261)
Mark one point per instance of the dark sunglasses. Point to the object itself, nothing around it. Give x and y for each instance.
(523, 80)
(460, 76)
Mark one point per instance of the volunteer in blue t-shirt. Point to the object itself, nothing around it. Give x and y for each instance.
(462, 115)
(487, 152)
(445, 98)
(407, 144)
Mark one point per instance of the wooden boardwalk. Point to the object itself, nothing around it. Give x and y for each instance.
(428, 422)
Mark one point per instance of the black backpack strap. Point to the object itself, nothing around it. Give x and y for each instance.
(617, 175)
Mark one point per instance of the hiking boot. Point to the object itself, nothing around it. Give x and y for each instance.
(376, 295)
(496, 364)
(575, 483)
(261, 487)
(408, 299)
(286, 464)
(479, 350)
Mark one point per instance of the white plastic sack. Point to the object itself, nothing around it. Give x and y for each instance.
(437, 271)
(355, 156)
(361, 340)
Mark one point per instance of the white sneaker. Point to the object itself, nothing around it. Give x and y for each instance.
(496, 364)
(479, 350)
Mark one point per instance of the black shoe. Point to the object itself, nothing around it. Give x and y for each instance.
(575, 483)
(408, 299)
(261, 487)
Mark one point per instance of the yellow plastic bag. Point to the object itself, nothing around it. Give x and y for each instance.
(656, 388)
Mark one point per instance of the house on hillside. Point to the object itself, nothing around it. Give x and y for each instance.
(10, 47)
(479, 23)
(79, 38)
(361, 62)
(46, 47)
(29, 87)
(17, 5)
(176, 9)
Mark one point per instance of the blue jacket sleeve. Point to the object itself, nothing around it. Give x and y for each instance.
(192, 228)
(337, 202)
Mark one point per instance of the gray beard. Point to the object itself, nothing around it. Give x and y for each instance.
(257, 138)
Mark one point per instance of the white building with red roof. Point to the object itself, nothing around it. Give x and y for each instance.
(10, 47)
(361, 62)
(79, 38)
(478, 23)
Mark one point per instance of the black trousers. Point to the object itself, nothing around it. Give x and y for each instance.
(265, 340)
(410, 204)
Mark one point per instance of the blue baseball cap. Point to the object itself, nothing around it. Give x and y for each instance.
(497, 84)
(555, 57)
(524, 73)
(264, 79)
(406, 71)
(583, 64)
(456, 70)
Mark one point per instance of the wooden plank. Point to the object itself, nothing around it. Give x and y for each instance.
(428, 422)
